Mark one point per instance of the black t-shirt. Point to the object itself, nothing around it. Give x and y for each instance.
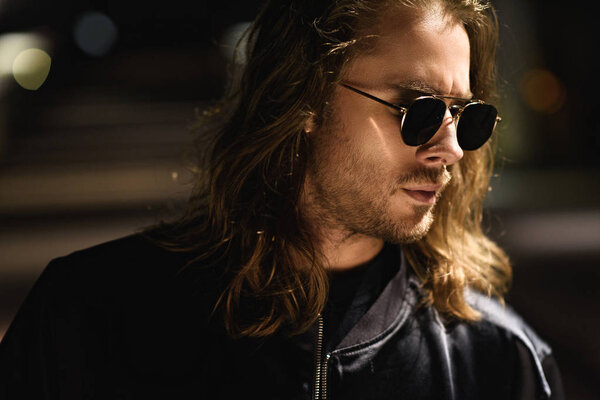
(353, 292)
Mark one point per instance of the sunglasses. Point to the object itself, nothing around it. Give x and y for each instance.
(475, 121)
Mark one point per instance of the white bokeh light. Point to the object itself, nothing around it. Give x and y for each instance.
(31, 68)
(25, 57)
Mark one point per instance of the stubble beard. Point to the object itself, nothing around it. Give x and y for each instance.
(371, 218)
(362, 203)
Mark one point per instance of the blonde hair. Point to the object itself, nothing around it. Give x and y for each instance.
(244, 217)
(456, 253)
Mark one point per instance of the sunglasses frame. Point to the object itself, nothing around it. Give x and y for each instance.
(455, 110)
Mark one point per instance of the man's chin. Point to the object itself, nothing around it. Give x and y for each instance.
(410, 230)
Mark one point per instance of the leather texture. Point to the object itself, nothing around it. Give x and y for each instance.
(121, 321)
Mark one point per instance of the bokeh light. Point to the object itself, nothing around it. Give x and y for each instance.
(24, 58)
(95, 33)
(542, 91)
(31, 67)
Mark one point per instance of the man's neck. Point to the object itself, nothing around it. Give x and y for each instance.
(341, 248)
(343, 252)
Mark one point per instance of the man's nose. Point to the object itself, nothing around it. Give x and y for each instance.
(442, 148)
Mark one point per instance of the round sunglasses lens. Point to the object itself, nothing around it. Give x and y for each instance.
(422, 120)
(475, 125)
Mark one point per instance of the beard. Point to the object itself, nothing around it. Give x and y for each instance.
(354, 194)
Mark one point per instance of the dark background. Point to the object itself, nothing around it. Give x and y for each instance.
(98, 150)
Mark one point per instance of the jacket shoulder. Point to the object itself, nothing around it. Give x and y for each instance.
(131, 257)
(132, 268)
(505, 318)
(138, 248)
(120, 304)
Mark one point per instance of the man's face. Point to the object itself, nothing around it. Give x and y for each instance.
(362, 178)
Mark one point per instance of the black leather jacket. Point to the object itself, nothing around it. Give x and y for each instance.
(117, 322)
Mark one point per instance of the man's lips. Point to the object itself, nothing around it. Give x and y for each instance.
(424, 193)
(430, 187)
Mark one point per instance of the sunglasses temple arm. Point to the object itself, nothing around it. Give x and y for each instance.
(377, 99)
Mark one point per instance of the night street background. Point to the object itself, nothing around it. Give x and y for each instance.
(94, 147)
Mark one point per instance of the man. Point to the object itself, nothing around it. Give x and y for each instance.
(332, 249)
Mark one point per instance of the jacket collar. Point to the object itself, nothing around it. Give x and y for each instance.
(389, 310)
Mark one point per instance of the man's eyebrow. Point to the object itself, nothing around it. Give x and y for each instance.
(422, 87)
(416, 86)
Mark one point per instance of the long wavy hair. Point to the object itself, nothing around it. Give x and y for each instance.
(244, 217)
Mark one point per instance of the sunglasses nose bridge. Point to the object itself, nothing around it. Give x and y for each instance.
(455, 111)
(442, 147)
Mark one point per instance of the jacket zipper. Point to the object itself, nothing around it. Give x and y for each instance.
(321, 363)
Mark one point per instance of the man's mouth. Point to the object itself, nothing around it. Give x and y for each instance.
(426, 194)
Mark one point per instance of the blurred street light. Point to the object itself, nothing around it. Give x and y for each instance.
(31, 68)
(95, 33)
(24, 57)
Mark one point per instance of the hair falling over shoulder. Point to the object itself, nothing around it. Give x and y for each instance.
(244, 216)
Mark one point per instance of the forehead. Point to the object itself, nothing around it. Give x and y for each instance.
(414, 45)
